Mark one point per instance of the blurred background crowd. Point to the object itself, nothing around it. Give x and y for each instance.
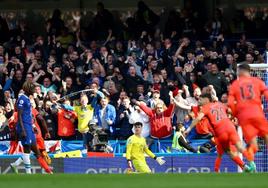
(125, 57)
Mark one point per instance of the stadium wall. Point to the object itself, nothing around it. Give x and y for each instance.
(185, 163)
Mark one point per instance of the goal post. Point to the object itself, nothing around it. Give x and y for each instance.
(261, 158)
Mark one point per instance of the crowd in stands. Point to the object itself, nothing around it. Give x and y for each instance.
(133, 70)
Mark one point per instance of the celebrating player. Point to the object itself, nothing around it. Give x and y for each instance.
(224, 131)
(136, 147)
(25, 129)
(245, 102)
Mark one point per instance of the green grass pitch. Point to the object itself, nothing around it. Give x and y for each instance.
(135, 180)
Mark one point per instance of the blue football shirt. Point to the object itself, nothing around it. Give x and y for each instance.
(24, 104)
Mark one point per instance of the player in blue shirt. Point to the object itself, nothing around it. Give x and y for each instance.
(25, 129)
(24, 125)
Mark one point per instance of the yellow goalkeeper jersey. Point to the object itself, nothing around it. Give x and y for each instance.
(136, 147)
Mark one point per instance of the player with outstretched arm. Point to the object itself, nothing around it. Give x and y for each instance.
(223, 129)
(136, 147)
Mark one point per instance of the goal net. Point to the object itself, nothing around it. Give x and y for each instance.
(261, 158)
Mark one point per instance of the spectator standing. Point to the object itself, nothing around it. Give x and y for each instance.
(216, 79)
(106, 116)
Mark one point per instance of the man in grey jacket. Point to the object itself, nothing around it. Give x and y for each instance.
(216, 79)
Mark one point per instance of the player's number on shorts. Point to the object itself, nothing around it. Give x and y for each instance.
(247, 92)
(218, 113)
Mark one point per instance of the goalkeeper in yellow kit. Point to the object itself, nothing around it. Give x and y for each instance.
(136, 147)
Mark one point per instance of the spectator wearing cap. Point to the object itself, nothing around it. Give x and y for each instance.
(155, 98)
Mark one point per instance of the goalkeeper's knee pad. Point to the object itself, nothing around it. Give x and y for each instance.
(46, 157)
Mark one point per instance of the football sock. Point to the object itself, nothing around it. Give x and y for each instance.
(17, 162)
(248, 155)
(252, 149)
(43, 164)
(238, 161)
(27, 162)
(217, 164)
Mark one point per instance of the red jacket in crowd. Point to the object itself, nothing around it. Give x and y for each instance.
(161, 125)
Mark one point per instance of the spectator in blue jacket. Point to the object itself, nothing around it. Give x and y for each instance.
(106, 115)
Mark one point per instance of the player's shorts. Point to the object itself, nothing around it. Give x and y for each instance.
(29, 139)
(40, 143)
(141, 166)
(254, 127)
(226, 141)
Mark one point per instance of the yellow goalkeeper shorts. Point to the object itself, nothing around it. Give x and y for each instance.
(141, 166)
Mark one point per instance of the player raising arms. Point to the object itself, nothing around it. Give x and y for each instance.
(136, 147)
(245, 102)
(223, 130)
(25, 129)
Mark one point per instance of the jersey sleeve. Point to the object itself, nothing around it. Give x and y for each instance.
(21, 102)
(76, 109)
(129, 148)
(232, 99)
(232, 90)
(148, 152)
(262, 86)
(90, 107)
(204, 110)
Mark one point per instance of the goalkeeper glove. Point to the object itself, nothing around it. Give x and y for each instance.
(160, 160)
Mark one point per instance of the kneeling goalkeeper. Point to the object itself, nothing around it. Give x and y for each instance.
(136, 147)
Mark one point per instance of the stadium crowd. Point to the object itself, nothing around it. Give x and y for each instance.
(131, 70)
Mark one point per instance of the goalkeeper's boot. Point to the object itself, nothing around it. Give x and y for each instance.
(129, 171)
(46, 157)
(247, 169)
(14, 168)
(253, 166)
